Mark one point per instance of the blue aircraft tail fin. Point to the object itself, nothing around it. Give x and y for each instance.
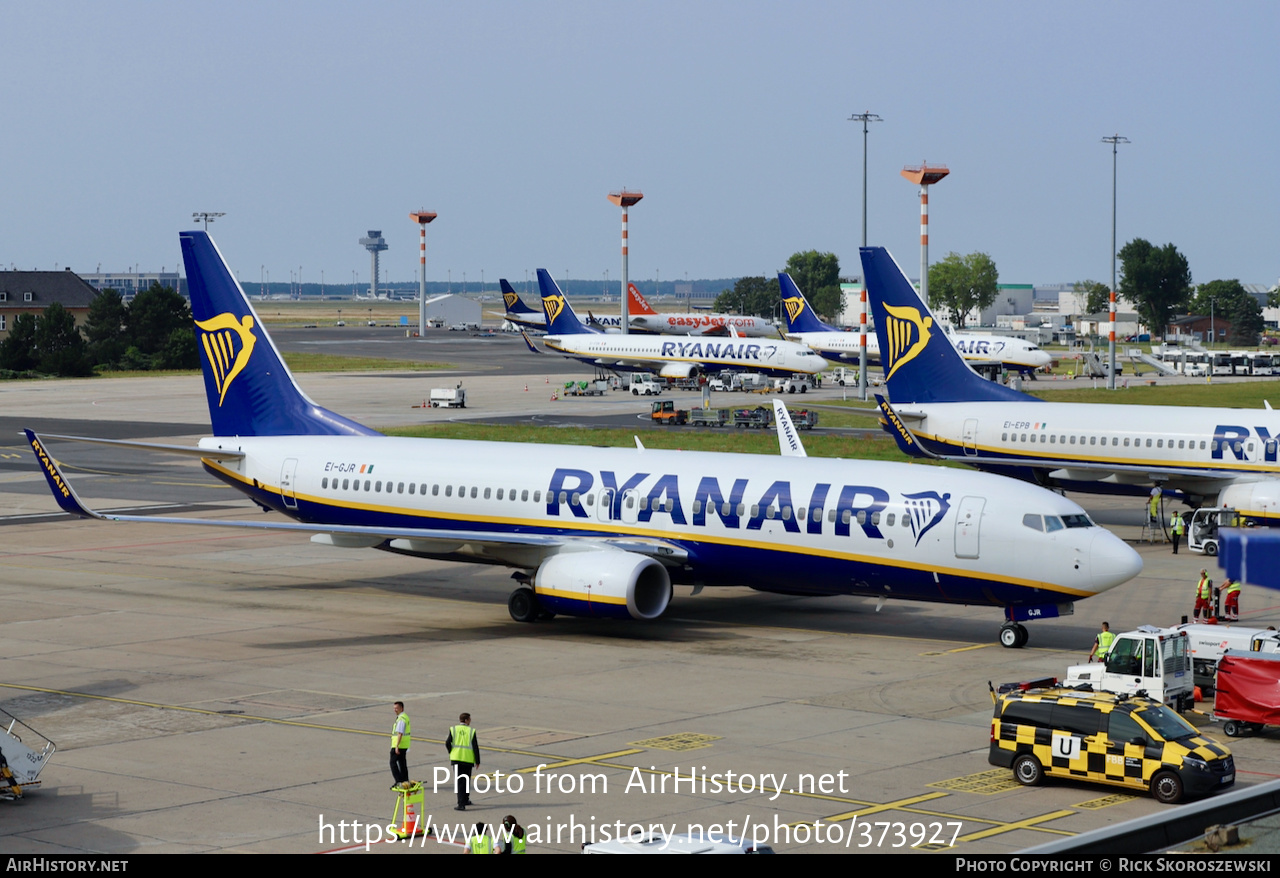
(560, 317)
(920, 363)
(249, 388)
(796, 312)
(512, 300)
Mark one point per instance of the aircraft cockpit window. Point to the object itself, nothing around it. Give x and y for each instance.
(1033, 521)
(1052, 523)
(1077, 521)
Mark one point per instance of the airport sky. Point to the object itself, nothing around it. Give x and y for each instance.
(310, 122)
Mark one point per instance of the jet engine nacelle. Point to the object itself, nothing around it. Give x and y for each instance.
(680, 370)
(1258, 500)
(618, 585)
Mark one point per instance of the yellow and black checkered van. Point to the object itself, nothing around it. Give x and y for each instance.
(1103, 738)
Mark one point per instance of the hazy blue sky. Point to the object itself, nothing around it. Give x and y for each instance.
(308, 123)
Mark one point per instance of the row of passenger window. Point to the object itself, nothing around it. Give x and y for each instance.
(1183, 444)
(724, 509)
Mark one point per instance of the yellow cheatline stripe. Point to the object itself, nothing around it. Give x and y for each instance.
(618, 528)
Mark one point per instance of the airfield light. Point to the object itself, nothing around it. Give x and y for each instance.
(624, 199)
(206, 217)
(422, 217)
(1115, 140)
(864, 118)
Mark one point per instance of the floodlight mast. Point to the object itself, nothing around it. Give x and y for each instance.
(924, 175)
(422, 217)
(864, 118)
(623, 199)
(1115, 140)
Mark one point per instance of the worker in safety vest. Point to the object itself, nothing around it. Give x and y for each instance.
(400, 740)
(481, 841)
(1177, 527)
(1231, 606)
(512, 838)
(1204, 593)
(1102, 643)
(464, 753)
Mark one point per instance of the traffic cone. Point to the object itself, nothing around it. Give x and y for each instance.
(526, 388)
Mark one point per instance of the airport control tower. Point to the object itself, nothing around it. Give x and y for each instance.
(375, 244)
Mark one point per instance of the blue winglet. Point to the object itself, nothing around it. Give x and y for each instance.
(61, 488)
(907, 442)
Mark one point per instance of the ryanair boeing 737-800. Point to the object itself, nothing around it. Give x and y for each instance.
(941, 408)
(609, 531)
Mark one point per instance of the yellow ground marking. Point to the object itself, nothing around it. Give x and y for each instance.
(680, 742)
(1027, 823)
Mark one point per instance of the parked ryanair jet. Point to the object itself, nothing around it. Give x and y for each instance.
(838, 346)
(941, 408)
(609, 531)
(670, 357)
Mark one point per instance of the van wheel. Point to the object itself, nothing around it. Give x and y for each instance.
(1231, 728)
(1166, 788)
(1028, 771)
(1211, 549)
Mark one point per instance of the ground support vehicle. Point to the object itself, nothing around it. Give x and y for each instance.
(586, 388)
(1209, 643)
(1248, 693)
(448, 397)
(1202, 530)
(664, 411)
(759, 417)
(805, 419)
(1155, 662)
(794, 384)
(709, 417)
(645, 384)
(20, 763)
(749, 382)
(1120, 740)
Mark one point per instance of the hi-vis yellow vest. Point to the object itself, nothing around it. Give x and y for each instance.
(405, 738)
(463, 749)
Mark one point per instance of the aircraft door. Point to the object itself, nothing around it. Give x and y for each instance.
(630, 507)
(969, 438)
(605, 510)
(968, 520)
(288, 475)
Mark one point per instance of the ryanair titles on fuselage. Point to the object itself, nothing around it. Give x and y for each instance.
(710, 350)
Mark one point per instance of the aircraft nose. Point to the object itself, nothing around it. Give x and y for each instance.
(1111, 561)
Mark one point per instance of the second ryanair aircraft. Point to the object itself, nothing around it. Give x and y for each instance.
(609, 531)
(942, 408)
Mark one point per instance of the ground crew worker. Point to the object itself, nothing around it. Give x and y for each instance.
(1231, 607)
(513, 832)
(1178, 526)
(400, 740)
(1204, 592)
(481, 842)
(464, 753)
(1153, 506)
(1102, 643)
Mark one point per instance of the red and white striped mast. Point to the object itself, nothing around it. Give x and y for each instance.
(624, 199)
(924, 176)
(422, 217)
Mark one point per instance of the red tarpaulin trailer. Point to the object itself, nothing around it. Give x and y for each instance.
(1248, 691)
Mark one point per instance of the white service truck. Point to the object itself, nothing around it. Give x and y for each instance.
(449, 397)
(645, 384)
(1155, 661)
(1208, 643)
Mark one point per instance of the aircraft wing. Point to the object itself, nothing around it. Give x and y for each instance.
(523, 549)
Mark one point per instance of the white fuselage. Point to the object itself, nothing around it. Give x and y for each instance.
(1012, 353)
(1201, 451)
(701, 324)
(796, 525)
(673, 357)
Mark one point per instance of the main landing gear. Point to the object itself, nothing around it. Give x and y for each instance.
(1013, 635)
(523, 604)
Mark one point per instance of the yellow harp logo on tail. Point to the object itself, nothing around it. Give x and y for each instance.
(554, 305)
(908, 335)
(227, 344)
(794, 307)
(511, 299)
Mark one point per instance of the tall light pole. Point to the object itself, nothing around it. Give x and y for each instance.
(422, 217)
(864, 118)
(924, 176)
(1115, 140)
(624, 199)
(206, 217)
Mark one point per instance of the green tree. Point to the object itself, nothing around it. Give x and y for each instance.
(960, 284)
(59, 345)
(1097, 296)
(18, 350)
(1156, 279)
(1229, 300)
(152, 317)
(756, 296)
(818, 277)
(179, 352)
(105, 328)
